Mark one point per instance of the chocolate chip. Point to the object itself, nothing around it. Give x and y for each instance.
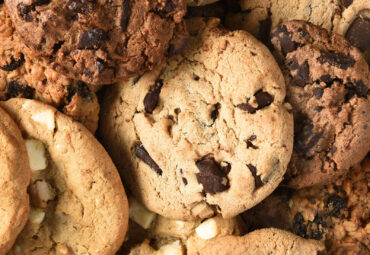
(263, 99)
(246, 107)
(214, 113)
(184, 181)
(196, 77)
(169, 7)
(125, 14)
(24, 11)
(318, 92)
(305, 137)
(336, 59)
(211, 175)
(285, 40)
(301, 76)
(358, 33)
(257, 179)
(361, 88)
(249, 142)
(346, 3)
(18, 90)
(152, 97)
(226, 167)
(142, 154)
(42, 2)
(14, 64)
(92, 39)
(335, 204)
(84, 91)
(78, 6)
(299, 226)
(326, 78)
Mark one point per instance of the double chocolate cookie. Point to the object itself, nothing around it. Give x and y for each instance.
(327, 82)
(209, 132)
(24, 75)
(100, 41)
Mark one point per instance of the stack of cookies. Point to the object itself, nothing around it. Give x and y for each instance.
(234, 127)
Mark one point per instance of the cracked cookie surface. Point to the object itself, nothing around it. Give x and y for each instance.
(264, 241)
(103, 41)
(327, 83)
(14, 179)
(207, 132)
(24, 75)
(78, 204)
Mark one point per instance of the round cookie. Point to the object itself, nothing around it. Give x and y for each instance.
(327, 82)
(24, 75)
(336, 214)
(78, 204)
(199, 2)
(354, 24)
(264, 241)
(208, 132)
(260, 16)
(14, 179)
(101, 42)
(185, 237)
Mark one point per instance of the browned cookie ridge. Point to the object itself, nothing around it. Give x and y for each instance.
(101, 41)
(327, 83)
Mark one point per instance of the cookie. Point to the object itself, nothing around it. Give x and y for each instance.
(206, 132)
(327, 82)
(14, 179)
(199, 2)
(184, 237)
(336, 214)
(78, 204)
(259, 17)
(354, 24)
(101, 42)
(24, 75)
(264, 241)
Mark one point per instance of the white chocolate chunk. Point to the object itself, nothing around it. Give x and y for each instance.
(140, 214)
(41, 193)
(174, 248)
(36, 216)
(208, 229)
(36, 154)
(46, 118)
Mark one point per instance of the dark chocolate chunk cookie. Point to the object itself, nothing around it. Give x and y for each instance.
(100, 41)
(24, 75)
(327, 82)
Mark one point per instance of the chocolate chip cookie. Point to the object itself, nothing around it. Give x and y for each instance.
(209, 132)
(14, 179)
(24, 75)
(354, 24)
(327, 82)
(264, 241)
(78, 204)
(100, 42)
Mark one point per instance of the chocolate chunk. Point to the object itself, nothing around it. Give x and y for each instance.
(84, 91)
(264, 30)
(125, 14)
(336, 59)
(246, 107)
(249, 142)
(263, 99)
(14, 64)
(42, 2)
(152, 97)
(214, 113)
(18, 90)
(312, 229)
(92, 39)
(318, 92)
(24, 11)
(346, 3)
(226, 167)
(305, 137)
(361, 88)
(257, 179)
(78, 6)
(326, 78)
(358, 33)
(142, 154)
(335, 204)
(285, 39)
(301, 72)
(299, 226)
(211, 175)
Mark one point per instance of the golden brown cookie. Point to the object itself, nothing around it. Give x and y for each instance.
(78, 204)
(14, 179)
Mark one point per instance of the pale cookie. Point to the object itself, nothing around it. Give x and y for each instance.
(24, 75)
(78, 204)
(187, 237)
(327, 82)
(101, 41)
(14, 179)
(264, 241)
(354, 24)
(209, 132)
